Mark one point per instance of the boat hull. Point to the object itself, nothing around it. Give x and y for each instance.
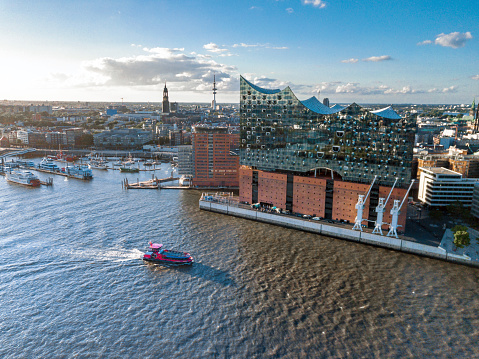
(185, 259)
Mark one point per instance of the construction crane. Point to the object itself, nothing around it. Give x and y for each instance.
(380, 211)
(395, 211)
(360, 207)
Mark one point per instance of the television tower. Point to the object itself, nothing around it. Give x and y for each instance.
(213, 104)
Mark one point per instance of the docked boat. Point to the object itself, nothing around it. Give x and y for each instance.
(129, 169)
(23, 177)
(186, 180)
(98, 165)
(49, 165)
(158, 254)
(78, 171)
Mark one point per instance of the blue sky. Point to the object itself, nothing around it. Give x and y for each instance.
(362, 51)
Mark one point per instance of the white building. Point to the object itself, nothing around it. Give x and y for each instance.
(440, 187)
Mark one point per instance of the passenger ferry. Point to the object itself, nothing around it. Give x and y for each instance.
(47, 164)
(78, 171)
(23, 177)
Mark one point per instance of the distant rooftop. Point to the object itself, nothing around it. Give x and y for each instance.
(440, 171)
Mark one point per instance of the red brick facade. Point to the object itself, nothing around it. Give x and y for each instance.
(309, 195)
(245, 184)
(272, 188)
(214, 165)
(345, 197)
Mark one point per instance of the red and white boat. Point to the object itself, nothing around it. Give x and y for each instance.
(158, 254)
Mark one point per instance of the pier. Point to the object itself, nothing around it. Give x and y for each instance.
(225, 203)
(154, 183)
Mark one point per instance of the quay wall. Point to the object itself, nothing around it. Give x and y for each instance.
(338, 232)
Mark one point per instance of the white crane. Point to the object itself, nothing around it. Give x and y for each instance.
(360, 207)
(395, 211)
(380, 211)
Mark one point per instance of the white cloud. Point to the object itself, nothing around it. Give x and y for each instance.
(425, 42)
(449, 89)
(316, 3)
(265, 46)
(350, 87)
(378, 58)
(350, 61)
(290, 10)
(245, 45)
(212, 47)
(405, 90)
(476, 77)
(454, 39)
(156, 66)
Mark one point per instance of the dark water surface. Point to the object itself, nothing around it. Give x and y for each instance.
(72, 284)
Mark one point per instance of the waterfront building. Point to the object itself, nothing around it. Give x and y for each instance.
(186, 162)
(166, 102)
(309, 158)
(215, 154)
(124, 138)
(31, 138)
(55, 139)
(439, 187)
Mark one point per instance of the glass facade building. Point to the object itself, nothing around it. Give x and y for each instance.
(281, 133)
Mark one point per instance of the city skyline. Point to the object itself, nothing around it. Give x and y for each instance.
(350, 52)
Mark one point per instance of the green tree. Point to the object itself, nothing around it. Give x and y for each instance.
(461, 239)
(459, 228)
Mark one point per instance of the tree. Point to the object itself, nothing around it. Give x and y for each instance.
(459, 228)
(461, 239)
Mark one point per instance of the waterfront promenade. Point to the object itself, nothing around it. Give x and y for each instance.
(222, 203)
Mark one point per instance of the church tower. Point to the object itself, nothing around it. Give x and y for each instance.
(166, 102)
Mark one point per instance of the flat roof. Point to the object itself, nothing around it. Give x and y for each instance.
(440, 171)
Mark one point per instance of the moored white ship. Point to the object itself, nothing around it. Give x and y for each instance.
(49, 165)
(78, 171)
(23, 177)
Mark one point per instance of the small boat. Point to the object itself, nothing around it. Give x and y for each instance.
(98, 165)
(158, 254)
(129, 169)
(23, 177)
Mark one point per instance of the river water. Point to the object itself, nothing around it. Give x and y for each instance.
(72, 284)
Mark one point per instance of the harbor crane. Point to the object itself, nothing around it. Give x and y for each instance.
(360, 207)
(395, 211)
(380, 211)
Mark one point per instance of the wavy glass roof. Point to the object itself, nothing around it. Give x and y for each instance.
(315, 105)
(262, 90)
(387, 112)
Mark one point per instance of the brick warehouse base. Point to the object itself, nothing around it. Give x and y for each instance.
(316, 196)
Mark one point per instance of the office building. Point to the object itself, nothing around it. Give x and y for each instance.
(439, 187)
(216, 160)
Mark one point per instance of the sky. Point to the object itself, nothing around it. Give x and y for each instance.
(374, 51)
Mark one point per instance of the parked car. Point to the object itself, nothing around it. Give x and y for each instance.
(316, 218)
(307, 216)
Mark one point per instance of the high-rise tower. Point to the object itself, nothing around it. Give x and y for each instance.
(166, 102)
(213, 104)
